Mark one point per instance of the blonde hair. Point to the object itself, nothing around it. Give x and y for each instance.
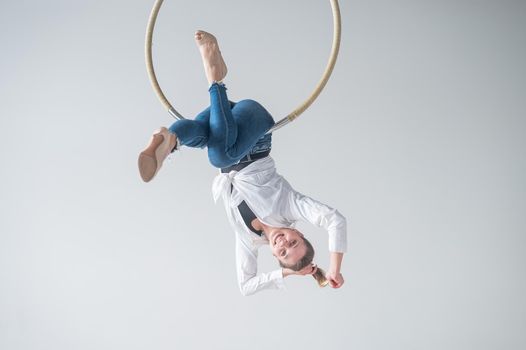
(319, 275)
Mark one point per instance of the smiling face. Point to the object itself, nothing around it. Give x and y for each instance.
(287, 245)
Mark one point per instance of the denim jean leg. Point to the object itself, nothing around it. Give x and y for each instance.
(235, 129)
(263, 144)
(191, 133)
(253, 123)
(223, 130)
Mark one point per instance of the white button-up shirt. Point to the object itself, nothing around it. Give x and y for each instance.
(276, 204)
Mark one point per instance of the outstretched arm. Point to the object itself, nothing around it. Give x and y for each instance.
(333, 275)
(249, 280)
(320, 215)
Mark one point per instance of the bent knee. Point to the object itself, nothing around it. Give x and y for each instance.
(255, 110)
(253, 106)
(249, 103)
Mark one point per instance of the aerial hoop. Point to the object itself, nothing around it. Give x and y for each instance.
(291, 116)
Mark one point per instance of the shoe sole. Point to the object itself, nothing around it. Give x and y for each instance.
(147, 167)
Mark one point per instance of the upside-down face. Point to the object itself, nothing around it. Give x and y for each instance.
(287, 245)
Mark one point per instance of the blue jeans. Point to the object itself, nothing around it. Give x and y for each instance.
(229, 130)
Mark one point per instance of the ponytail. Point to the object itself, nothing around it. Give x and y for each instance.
(319, 275)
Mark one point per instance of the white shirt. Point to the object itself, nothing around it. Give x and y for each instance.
(276, 204)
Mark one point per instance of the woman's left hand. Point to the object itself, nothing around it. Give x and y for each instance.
(335, 279)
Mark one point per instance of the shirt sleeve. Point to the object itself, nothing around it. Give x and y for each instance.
(307, 209)
(249, 280)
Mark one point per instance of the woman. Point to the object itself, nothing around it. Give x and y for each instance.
(261, 205)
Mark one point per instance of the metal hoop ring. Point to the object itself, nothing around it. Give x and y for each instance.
(291, 116)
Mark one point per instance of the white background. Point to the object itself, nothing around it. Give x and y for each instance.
(418, 140)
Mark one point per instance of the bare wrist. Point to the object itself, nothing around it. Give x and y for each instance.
(335, 261)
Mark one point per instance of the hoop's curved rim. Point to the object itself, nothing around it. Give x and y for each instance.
(291, 116)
